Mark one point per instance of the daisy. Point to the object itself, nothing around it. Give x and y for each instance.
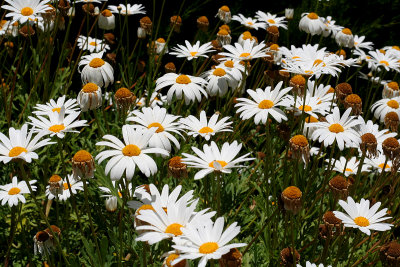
(186, 86)
(20, 145)
(65, 194)
(271, 20)
(384, 106)
(345, 38)
(362, 216)
(387, 61)
(23, 11)
(203, 128)
(58, 123)
(348, 167)
(330, 27)
(115, 191)
(126, 155)
(360, 44)
(212, 159)
(380, 163)
(218, 81)
(164, 123)
(321, 92)
(128, 9)
(206, 242)
(96, 70)
(234, 68)
(311, 105)
(166, 225)
(190, 52)
(365, 129)
(249, 50)
(70, 106)
(13, 192)
(249, 22)
(337, 128)
(92, 44)
(266, 102)
(311, 23)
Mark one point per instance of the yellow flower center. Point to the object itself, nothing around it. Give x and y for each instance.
(383, 164)
(299, 140)
(318, 61)
(384, 62)
(305, 108)
(224, 8)
(393, 85)
(26, 11)
(361, 221)
(312, 15)
(183, 79)
(346, 31)
(14, 191)
(65, 186)
(131, 150)
(336, 128)
(311, 119)
(208, 247)
(221, 162)
(55, 178)
(265, 104)
(170, 259)
(206, 130)
(244, 54)
(271, 21)
(274, 47)
(90, 88)
(96, 62)
(93, 43)
(249, 23)
(15, 151)
(229, 64)
(219, 72)
(57, 128)
(144, 207)
(348, 170)
(82, 156)
(193, 53)
(56, 109)
(393, 104)
(174, 229)
(157, 125)
(106, 13)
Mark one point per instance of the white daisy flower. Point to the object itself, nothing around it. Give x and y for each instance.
(212, 159)
(337, 128)
(234, 68)
(23, 11)
(96, 70)
(90, 97)
(348, 167)
(360, 44)
(170, 256)
(205, 128)
(20, 145)
(345, 38)
(249, 22)
(206, 242)
(370, 128)
(130, 153)
(380, 163)
(387, 61)
(92, 44)
(266, 102)
(310, 105)
(311, 23)
(330, 27)
(106, 20)
(186, 86)
(384, 106)
(164, 123)
(170, 223)
(218, 81)
(58, 123)
(70, 106)
(65, 194)
(271, 19)
(13, 193)
(362, 216)
(190, 52)
(128, 9)
(249, 50)
(321, 92)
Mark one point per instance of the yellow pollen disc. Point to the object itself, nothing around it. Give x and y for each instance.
(348, 170)
(206, 130)
(396, 47)
(131, 151)
(208, 247)
(54, 178)
(299, 140)
(311, 119)
(174, 229)
(144, 207)
(246, 35)
(26, 11)
(312, 15)
(93, 43)
(274, 47)
(309, 72)
(244, 54)
(305, 108)
(361, 221)
(250, 23)
(193, 53)
(355, 43)
(14, 191)
(384, 62)
(393, 104)
(57, 128)
(96, 62)
(90, 88)
(292, 192)
(219, 72)
(382, 51)
(82, 156)
(271, 21)
(346, 31)
(65, 186)
(265, 104)
(221, 162)
(224, 8)
(170, 259)
(223, 32)
(15, 151)
(318, 61)
(160, 40)
(336, 128)
(394, 86)
(157, 125)
(229, 64)
(106, 13)
(386, 166)
(56, 109)
(183, 79)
